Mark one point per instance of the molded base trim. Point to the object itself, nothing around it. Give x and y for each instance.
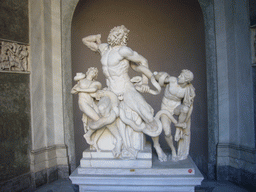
(49, 175)
(237, 164)
(48, 157)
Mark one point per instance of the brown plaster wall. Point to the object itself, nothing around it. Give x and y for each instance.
(170, 34)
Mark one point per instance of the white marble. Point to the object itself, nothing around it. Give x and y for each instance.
(161, 177)
(178, 100)
(184, 167)
(146, 153)
(119, 108)
(116, 163)
(106, 159)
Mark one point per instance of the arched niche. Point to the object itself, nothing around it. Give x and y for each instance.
(68, 8)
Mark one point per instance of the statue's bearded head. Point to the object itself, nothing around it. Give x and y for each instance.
(118, 36)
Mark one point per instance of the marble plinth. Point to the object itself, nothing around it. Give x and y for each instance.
(105, 159)
(167, 176)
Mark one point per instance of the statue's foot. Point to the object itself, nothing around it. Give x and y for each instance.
(88, 139)
(129, 153)
(95, 148)
(116, 153)
(117, 150)
(175, 158)
(181, 125)
(134, 152)
(174, 155)
(182, 158)
(161, 155)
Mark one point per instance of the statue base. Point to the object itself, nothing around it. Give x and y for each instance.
(163, 176)
(105, 159)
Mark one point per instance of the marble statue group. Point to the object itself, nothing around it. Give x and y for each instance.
(117, 117)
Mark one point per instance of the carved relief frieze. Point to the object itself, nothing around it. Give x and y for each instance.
(13, 57)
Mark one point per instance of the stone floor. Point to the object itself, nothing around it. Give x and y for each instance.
(207, 186)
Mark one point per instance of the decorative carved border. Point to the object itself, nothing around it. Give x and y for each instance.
(13, 56)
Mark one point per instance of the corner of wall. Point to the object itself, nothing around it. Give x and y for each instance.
(237, 164)
(48, 164)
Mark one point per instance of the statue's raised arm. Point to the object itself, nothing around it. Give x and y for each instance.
(92, 42)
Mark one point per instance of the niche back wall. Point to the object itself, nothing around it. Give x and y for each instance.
(169, 34)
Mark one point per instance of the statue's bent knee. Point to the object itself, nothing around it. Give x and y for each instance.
(184, 109)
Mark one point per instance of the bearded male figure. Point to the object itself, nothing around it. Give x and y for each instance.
(116, 58)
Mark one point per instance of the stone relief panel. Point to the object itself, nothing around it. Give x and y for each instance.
(13, 56)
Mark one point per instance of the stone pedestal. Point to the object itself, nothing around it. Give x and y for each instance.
(163, 176)
(105, 159)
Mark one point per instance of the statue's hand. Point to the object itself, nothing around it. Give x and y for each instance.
(143, 88)
(181, 125)
(99, 94)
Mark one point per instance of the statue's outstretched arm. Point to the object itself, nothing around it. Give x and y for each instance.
(92, 89)
(92, 42)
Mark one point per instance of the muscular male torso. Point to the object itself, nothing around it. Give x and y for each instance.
(173, 95)
(115, 68)
(86, 97)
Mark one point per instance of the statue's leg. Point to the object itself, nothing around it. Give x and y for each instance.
(137, 103)
(182, 112)
(161, 155)
(88, 110)
(168, 135)
(117, 149)
(178, 134)
(98, 134)
(88, 135)
(122, 131)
